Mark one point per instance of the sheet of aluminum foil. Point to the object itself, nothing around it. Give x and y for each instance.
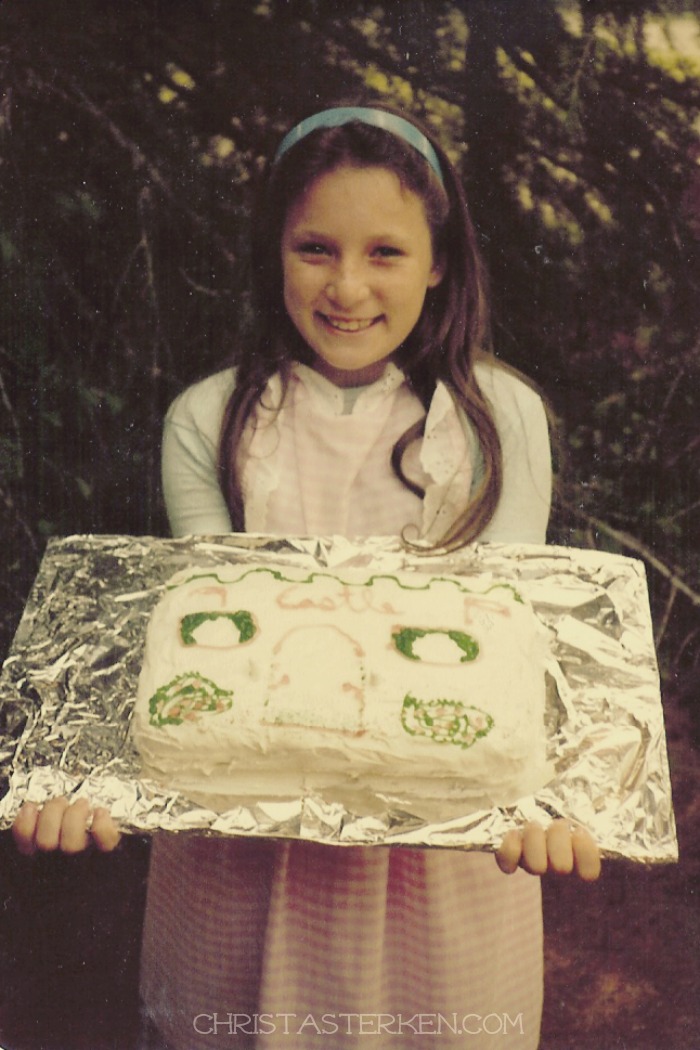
(68, 687)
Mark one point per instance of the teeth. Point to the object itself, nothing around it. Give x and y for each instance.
(348, 326)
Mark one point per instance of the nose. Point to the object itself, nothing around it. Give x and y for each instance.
(348, 284)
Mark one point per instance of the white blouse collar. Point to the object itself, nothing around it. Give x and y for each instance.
(322, 389)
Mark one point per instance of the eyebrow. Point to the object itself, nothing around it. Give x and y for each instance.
(307, 232)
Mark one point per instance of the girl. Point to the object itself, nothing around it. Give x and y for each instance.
(368, 406)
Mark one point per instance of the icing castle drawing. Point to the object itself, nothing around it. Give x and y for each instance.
(317, 646)
(261, 680)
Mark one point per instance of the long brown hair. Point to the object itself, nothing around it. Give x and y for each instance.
(451, 334)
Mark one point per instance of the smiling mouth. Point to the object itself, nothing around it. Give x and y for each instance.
(348, 324)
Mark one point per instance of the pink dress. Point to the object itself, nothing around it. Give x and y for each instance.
(272, 945)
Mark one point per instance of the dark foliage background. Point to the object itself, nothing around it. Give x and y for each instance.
(131, 138)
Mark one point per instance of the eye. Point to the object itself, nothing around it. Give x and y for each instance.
(387, 251)
(312, 248)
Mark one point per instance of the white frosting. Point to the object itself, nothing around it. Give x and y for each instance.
(264, 681)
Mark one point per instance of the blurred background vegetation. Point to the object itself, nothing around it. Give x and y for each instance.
(131, 135)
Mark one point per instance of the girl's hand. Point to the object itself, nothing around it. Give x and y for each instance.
(64, 826)
(559, 849)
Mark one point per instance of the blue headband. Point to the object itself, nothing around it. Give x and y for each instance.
(377, 118)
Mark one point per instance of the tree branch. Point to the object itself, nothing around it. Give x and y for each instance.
(631, 543)
(142, 163)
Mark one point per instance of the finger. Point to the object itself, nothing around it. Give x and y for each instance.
(534, 858)
(24, 828)
(586, 855)
(48, 828)
(560, 852)
(73, 835)
(510, 851)
(105, 833)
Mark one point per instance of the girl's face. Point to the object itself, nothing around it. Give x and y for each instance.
(357, 261)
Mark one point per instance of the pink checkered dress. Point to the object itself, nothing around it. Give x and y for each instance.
(272, 945)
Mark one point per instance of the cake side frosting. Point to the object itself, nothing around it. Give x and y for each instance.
(261, 680)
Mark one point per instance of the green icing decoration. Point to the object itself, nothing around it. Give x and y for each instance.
(242, 619)
(406, 636)
(185, 699)
(445, 721)
(282, 577)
